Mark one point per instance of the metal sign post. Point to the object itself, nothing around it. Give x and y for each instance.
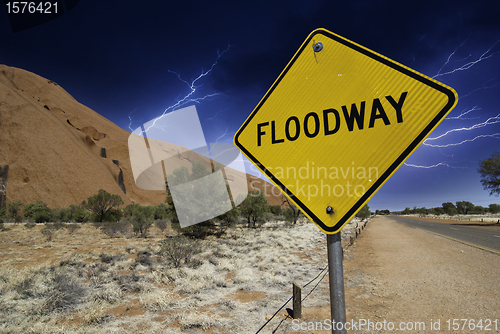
(336, 275)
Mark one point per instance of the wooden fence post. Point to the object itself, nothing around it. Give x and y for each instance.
(297, 302)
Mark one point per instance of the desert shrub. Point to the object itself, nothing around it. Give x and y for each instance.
(142, 219)
(198, 231)
(72, 227)
(102, 205)
(228, 218)
(179, 249)
(111, 258)
(61, 214)
(14, 208)
(291, 214)
(41, 216)
(2, 227)
(112, 229)
(63, 293)
(129, 209)
(57, 225)
(276, 210)
(48, 232)
(160, 211)
(114, 215)
(161, 224)
(144, 258)
(30, 225)
(39, 206)
(253, 207)
(81, 216)
(18, 219)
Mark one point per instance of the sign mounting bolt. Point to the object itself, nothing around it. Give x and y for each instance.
(318, 47)
(329, 210)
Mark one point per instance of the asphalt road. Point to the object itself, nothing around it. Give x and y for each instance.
(481, 237)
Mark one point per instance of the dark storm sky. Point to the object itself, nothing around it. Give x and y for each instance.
(117, 58)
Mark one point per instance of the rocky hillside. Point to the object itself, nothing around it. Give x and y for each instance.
(54, 149)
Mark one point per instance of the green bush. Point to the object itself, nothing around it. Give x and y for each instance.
(142, 220)
(18, 219)
(162, 224)
(41, 217)
(112, 229)
(102, 205)
(253, 207)
(14, 208)
(72, 227)
(198, 231)
(81, 216)
(179, 250)
(364, 212)
(30, 225)
(48, 232)
(276, 210)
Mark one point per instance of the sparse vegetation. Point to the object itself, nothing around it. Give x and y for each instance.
(103, 206)
(179, 250)
(450, 209)
(14, 208)
(364, 212)
(490, 174)
(110, 284)
(253, 208)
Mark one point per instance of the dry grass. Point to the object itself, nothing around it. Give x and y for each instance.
(86, 282)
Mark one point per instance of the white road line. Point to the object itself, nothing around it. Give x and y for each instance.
(498, 236)
(451, 228)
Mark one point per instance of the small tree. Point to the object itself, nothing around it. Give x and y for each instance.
(142, 220)
(291, 212)
(494, 208)
(464, 207)
(161, 224)
(276, 210)
(253, 207)
(14, 208)
(450, 208)
(81, 216)
(39, 211)
(490, 174)
(211, 187)
(102, 204)
(179, 249)
(364, 212)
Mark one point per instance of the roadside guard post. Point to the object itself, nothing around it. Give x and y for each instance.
(331, 130)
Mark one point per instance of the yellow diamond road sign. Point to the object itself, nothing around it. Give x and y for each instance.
(337, 123)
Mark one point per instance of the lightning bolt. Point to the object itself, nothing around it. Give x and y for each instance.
(489, 121)
(466, 113)
(431, 166)
(493, 135)
(130, 120)
(190, 96)
(475, 108)
(468, 65)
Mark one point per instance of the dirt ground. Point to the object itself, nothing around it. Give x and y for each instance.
(393, 273)
(399, 274)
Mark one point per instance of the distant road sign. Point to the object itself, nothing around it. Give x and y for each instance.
(337, 123)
